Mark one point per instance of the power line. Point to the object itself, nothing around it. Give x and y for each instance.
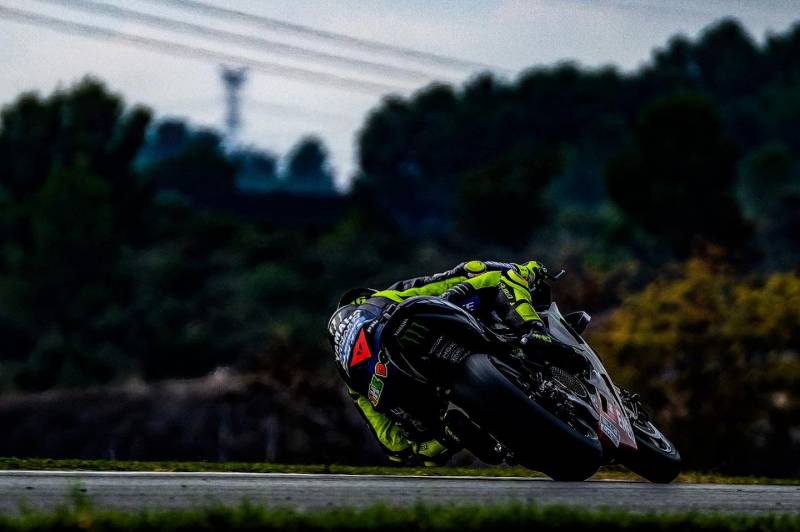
(339, 38)
(295, 111)
(239, 38)
(170, 47)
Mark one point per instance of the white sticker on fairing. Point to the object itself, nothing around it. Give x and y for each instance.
(625, 424)
(345, 337)
(609, 430)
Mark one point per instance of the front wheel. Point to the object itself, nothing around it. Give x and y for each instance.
(656, 457)
(538, 439)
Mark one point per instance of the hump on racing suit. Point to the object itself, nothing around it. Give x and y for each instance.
(347, 323)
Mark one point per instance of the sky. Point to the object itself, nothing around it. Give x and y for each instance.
(506, 35)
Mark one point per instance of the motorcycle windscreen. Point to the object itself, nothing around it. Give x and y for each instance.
(614, 424)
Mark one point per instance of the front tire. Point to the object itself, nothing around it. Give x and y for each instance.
(656, 457)
(538, 439)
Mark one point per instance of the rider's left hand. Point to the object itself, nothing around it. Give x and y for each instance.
(540, 338)
(537, 334)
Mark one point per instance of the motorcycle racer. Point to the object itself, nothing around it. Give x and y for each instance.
(383, 397)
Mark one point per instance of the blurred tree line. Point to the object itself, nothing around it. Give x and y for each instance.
(653, 163)
(112, 264)
(139, 249)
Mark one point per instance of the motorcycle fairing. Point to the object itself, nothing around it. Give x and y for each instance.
(427, 330)
(614, 425)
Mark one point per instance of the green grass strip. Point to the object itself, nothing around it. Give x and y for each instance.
(81, 516)
(608, 473)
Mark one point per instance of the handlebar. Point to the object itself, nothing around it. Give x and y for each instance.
(552, 276)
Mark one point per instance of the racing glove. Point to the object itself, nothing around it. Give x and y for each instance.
(539, 338)
(537, 334)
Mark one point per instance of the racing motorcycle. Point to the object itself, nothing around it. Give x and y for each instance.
(520, 404)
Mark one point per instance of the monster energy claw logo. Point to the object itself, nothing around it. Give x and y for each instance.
(414, 333)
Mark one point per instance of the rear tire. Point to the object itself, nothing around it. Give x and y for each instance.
(538, 439)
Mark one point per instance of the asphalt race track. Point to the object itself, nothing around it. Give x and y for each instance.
(133, 490)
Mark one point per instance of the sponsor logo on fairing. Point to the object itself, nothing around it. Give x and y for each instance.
(609, 430)
(625, 424)
(410, 333)
(448, 350)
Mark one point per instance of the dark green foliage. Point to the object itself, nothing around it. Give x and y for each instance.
(168, 139)
(498, 202)
(729, 94)
(415, 153)
(99, 281)
(258, 171)
(411, 182)
(769, 192)
(71, 226)
(86, 125)
(308, 171)
(727, 59)
(72, 201)
(199, 168)
(677, 181)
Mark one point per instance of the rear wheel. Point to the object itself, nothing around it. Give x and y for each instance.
(538, 439)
